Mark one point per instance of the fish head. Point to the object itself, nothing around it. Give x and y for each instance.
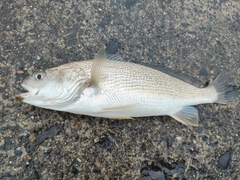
(54, 88)
(41, 87)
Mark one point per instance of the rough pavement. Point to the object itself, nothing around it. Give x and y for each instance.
(198, 39)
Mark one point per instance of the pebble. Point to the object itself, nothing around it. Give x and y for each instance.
(203, 72)
(20, 72)
(18, 152)
(36, 174)
(38, 57)
(224, 160)
(157, 175)
(32, 138)
(74, 170)
(179, 138)
(97, 170)
(29, 157)
(169, 141)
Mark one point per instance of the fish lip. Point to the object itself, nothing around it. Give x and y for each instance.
(31, 91)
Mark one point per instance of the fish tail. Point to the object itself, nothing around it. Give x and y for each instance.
(226, 90)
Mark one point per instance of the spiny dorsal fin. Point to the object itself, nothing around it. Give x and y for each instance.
(116, 57)
(97, 71)
(101, 53)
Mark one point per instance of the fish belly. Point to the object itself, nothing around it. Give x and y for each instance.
(130, 105)
(151, 107)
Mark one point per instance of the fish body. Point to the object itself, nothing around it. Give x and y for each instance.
(109, 88)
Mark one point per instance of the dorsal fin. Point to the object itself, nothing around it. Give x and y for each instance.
(116, 57)
(97, 71)
(101, 53)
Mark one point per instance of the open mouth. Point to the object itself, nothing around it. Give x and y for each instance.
(31, 91)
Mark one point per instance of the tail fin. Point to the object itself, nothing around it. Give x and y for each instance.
(227, 91)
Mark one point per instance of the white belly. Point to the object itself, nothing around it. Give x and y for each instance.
(138, 105)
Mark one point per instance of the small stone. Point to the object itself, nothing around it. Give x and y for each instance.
(24, 122)
(32, 138)
(149, 163)
(76, 136)
(18, 152)
(20, 72)
(29, 157)
(111, 131)
(38, 57)
(96, 140)
(179, 138)
(169, 141)
(203, 72)
(36, 174)
(97, 170)
(74, 170)
(224, 160)
(157, 175)
(79, 160)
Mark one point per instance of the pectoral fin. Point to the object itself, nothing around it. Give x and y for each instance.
(117, 108)
(187, 115)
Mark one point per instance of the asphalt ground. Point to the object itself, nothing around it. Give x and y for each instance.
(195, 40)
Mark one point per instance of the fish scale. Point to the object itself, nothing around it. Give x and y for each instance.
(150, 85)
(147, 80)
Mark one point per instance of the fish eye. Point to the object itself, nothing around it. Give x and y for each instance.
(39, 76)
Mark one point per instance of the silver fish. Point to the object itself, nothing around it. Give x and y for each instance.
(106, 87)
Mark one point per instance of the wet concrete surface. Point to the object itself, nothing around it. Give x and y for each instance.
(196, 38)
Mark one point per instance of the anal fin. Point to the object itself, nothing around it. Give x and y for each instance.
(187, 115)
(121, 117)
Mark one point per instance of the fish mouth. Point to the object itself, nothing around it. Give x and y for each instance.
(31, 91)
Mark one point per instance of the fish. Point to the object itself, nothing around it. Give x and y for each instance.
(109, 87)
